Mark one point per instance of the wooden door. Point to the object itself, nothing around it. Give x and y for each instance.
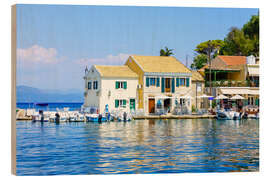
(151, 105)
(168, 85)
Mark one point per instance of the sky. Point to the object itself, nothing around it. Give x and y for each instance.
(56, 42)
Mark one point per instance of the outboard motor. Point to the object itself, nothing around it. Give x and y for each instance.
(99, 118)
(125, 116)
(42, 116)
(108, 116)
(57, 118)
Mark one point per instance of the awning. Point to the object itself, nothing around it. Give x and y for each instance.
(204, 96)
(237, 97)
(221, 97)
(239, 91)
(253, 71)
(254, 91)
(163, 97)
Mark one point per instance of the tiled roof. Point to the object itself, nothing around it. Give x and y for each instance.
(233, 60)
(115, 71)
(196, 76)
(203, 68)
(160, 64)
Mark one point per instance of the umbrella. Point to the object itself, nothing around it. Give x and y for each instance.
(237, 97)
(186, 97)
(162, 97)
(221, 97)
(204, 96)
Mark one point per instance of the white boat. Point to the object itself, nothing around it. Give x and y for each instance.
(95, 118)
(38, 118)
(228, 115)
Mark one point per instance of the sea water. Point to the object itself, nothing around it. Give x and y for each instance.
(139, 146)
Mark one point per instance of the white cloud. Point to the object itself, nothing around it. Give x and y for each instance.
(119, 59)
(37, 53)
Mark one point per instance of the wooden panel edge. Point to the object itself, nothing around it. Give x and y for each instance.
(13, 87)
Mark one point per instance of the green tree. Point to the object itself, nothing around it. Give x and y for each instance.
(244, 41)
(202, 47)
(251, 30)
(199, 61)
(202, 51)
(166, 52)
(236, 43)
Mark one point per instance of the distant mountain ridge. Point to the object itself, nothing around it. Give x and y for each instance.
(31, 94)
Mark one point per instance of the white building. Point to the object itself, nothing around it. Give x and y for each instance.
(112, 85)
(147, 83)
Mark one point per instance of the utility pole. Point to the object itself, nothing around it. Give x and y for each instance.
(209, 61)
(196, 93)
(186, 60)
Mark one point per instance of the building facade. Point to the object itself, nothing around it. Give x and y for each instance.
(148, 83)
(114, 86)
(164, 82)
(232, 75)
(198, 89)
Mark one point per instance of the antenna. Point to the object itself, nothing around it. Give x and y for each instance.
(186, 60)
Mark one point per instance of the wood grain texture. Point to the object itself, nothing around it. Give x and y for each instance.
(13, 88)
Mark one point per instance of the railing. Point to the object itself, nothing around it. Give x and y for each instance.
(246, 83)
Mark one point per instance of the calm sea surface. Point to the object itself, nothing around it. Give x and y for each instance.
(141, 146)
(51, 106)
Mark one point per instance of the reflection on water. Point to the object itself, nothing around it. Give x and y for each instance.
(146, 146)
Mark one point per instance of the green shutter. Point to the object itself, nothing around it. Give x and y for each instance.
(147, 82)
(124, 102)
(245, 102)
(158, 82)
(116, 103)
(257, 102)
(96, 84)
(177, 82)
(173, 85)
(187, 82)
(116, 85)
(125, 85)
(162, 85)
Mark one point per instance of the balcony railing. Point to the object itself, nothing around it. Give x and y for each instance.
(246, 83)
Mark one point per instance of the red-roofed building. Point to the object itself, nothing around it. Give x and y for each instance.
(233, 72)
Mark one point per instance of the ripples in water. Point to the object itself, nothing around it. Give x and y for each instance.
(146, 146)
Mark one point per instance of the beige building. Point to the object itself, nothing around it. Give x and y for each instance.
(234, 75)
(197, 82)
(163, 82)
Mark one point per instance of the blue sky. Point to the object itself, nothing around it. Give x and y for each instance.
(55, 42)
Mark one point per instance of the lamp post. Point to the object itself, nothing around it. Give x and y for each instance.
(209, 50)
(196, 93)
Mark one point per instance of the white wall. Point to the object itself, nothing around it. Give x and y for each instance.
(108, 85)
(92, 95)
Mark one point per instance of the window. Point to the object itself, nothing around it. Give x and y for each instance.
(199, 87)
(182, 82)
(120, 85)
(182, 102)
(95, 85)
(120, 103)
(152, 81)
(90, 85)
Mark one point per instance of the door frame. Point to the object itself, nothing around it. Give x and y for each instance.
(153, 107)
(134, 103)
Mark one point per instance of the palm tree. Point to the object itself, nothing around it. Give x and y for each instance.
(166, 52)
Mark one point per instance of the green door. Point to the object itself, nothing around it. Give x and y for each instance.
(132, 104)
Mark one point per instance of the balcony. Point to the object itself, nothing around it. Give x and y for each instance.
(223, 83)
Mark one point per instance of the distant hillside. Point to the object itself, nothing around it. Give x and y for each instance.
(30, 94)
